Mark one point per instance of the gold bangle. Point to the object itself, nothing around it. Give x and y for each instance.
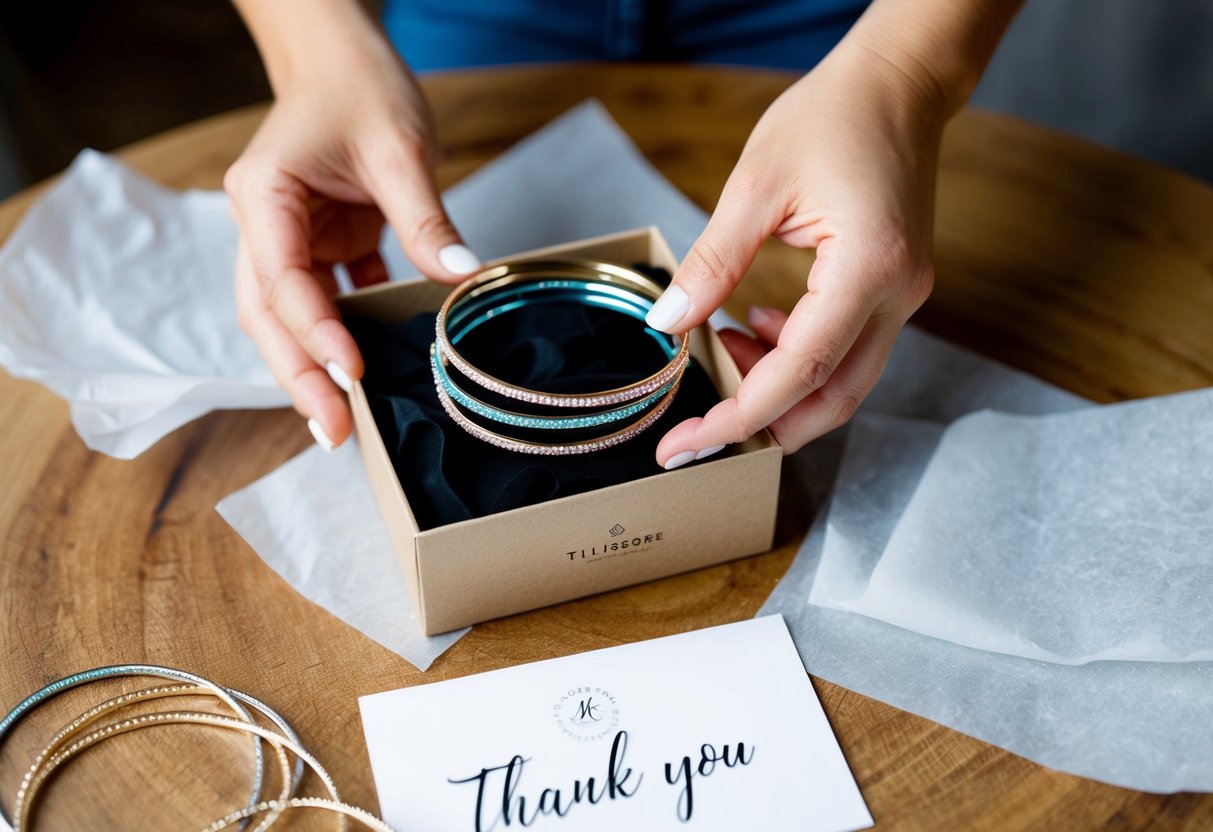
(71, 729)
(361, 815)
(54, 755)
(228, 697)
(575, 270)
(168, 718)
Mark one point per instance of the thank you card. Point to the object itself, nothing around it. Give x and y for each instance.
(717, 729)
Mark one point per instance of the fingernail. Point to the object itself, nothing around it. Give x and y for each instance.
(706, 452)
(679, 459)
(723, 320)
(668, 310)
(322, 438)
(458, 259)
(758, 316)
(339, 376)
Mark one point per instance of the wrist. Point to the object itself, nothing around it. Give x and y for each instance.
(309, 43)
(937, 49)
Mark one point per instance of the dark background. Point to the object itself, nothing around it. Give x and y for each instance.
(102, 73)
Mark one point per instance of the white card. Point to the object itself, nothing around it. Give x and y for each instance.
(717, 729)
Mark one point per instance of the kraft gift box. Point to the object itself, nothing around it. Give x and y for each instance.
(474, 570)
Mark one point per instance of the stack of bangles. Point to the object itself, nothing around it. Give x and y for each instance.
(599, 419)
(83, 733)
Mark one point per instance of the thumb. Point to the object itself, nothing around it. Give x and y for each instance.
(714, 265)
(409, 199)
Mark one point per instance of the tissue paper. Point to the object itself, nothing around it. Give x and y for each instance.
(1141, 725)
(1071, 538)
(927, 384)
(117, 295)
(335, 552)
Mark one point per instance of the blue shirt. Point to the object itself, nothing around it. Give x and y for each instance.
(448, 34)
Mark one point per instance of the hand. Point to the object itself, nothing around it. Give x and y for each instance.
(345, 144)
(843, 162)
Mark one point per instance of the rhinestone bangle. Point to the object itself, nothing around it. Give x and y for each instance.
(507, 287)
(231, 698)
(604, 280)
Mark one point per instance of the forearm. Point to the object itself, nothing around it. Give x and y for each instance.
(299, 38)
(941, 46)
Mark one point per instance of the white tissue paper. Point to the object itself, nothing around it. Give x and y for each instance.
(116, 294)
(335, 552)
(1142, 725)
(1070, 538)
(932, 383)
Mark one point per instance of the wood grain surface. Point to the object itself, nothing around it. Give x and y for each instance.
(1087, 268)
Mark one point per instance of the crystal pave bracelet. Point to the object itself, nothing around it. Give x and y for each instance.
(78, 735)
(502, 289)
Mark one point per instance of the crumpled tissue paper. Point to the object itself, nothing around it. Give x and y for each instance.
(1071, 538)
(1142, 725)
(927, 384)
(116, 294)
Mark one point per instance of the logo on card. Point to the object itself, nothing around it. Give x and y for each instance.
(586, 713)
(616, 530)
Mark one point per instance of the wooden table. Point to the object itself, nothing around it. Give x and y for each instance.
(1082, 266)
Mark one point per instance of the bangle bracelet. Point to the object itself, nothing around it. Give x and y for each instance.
(67, 744)
(501, 289)
(171, 718)
(593, 283)
(229, 698)
(81, 722)
(446, 387)
(361, 815)
(560, 449)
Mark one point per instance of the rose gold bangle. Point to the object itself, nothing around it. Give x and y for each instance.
(575, 270)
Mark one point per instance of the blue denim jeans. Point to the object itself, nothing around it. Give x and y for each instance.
(447, 34)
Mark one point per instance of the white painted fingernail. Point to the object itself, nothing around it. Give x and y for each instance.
(758, 316)
(679, 459)
(706, 452)
(458, 259)
(322, 438)
(723, 320)
(339, 376)
(668, 310)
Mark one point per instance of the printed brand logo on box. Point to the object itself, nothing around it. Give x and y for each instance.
(621, 545)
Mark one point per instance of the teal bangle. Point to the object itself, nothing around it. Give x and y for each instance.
(231, 697)
(522, 420)
(503, 289)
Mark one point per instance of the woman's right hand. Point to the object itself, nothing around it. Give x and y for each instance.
(347, 143)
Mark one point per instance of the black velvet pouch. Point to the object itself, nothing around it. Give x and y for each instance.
(449, 475)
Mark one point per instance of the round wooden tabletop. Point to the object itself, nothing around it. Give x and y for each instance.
(1080, 265)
